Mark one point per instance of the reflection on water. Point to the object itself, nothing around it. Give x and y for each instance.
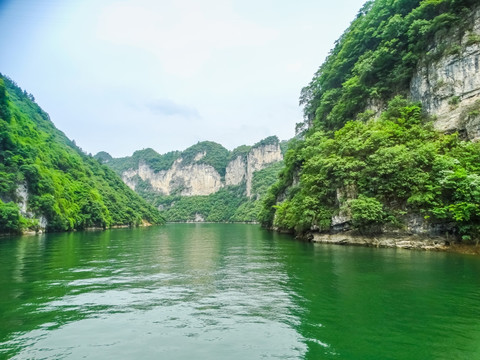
(226, 290)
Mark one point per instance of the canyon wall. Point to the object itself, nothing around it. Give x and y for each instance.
(197, 178)
(447, 81)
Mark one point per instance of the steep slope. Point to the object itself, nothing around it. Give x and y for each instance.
(205, 182)
(373, 161)
(47, 182)
(446, 82)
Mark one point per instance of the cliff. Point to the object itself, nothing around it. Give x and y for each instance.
(205, 182)
(191, 175)
(392, 119)
(447, 83)
(258, 158)
(184, 179)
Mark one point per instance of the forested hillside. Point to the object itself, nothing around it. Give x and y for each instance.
(47, 182)
(205, 182)
(371, 160)
(229, 204)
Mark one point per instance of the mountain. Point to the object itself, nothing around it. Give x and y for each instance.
(48, 183)
(391, 122)
(205, 182)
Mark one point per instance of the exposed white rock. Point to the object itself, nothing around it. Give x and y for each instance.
(199, 156)
(344, 217)
(203, 179)
(188, 180)
(236, 171)
(258, 158)
(387, 241)
(128, 178)
(449, 87)
(22, 196)
(199, 218)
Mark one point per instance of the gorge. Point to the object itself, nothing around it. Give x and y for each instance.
(205, 182)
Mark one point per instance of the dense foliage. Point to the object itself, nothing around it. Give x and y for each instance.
(215, 155)
(148, 156)
(379, 172)
(375, 58)
(212, 154)
(230, 204)
(69, 189)
(372, 174)
(103, 157)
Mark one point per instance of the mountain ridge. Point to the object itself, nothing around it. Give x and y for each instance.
(204, 176)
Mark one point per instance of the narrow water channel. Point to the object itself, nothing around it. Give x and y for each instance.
(231, 291)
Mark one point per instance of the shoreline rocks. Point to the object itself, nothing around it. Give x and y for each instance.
(382, 240)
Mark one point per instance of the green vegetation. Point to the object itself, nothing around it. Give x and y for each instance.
(229, 204)
(271, 140)
(241, 151)
(69, 189)
(215, 155)
(375, 58)
(217, 207)
(454, 101)
(389, 167)
(148, 156)
(376, 174)
(103, 157)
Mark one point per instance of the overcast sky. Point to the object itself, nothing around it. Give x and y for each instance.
(125, 75)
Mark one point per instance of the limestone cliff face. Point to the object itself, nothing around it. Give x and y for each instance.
(241, 169)
(187, 180)
(449, 87)
(236, 171)
(258, 158)
(202, 179)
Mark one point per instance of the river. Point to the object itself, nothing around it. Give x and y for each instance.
(231, 291)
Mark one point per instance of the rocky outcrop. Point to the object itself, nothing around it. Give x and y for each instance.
(22, 197)
(258, 158)
(185, 180)
(342, 220)
(242, 169)
(198, 178)
(384, 240)
(236, 171)
(448, 85)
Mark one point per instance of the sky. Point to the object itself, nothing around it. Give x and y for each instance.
(120, 76)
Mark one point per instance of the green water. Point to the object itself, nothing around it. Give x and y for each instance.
(224, 291)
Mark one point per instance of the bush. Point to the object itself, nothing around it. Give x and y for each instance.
(10, 219)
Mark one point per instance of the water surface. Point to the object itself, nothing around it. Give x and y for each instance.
(217, 291)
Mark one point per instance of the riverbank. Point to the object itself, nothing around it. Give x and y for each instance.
(401, 241)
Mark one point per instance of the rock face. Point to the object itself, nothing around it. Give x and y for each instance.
(22, 196)
(449, 86)
(258, 158)
(202, 179)
(402, 241)
(236, 171)
(186, 180)
(341, 221)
